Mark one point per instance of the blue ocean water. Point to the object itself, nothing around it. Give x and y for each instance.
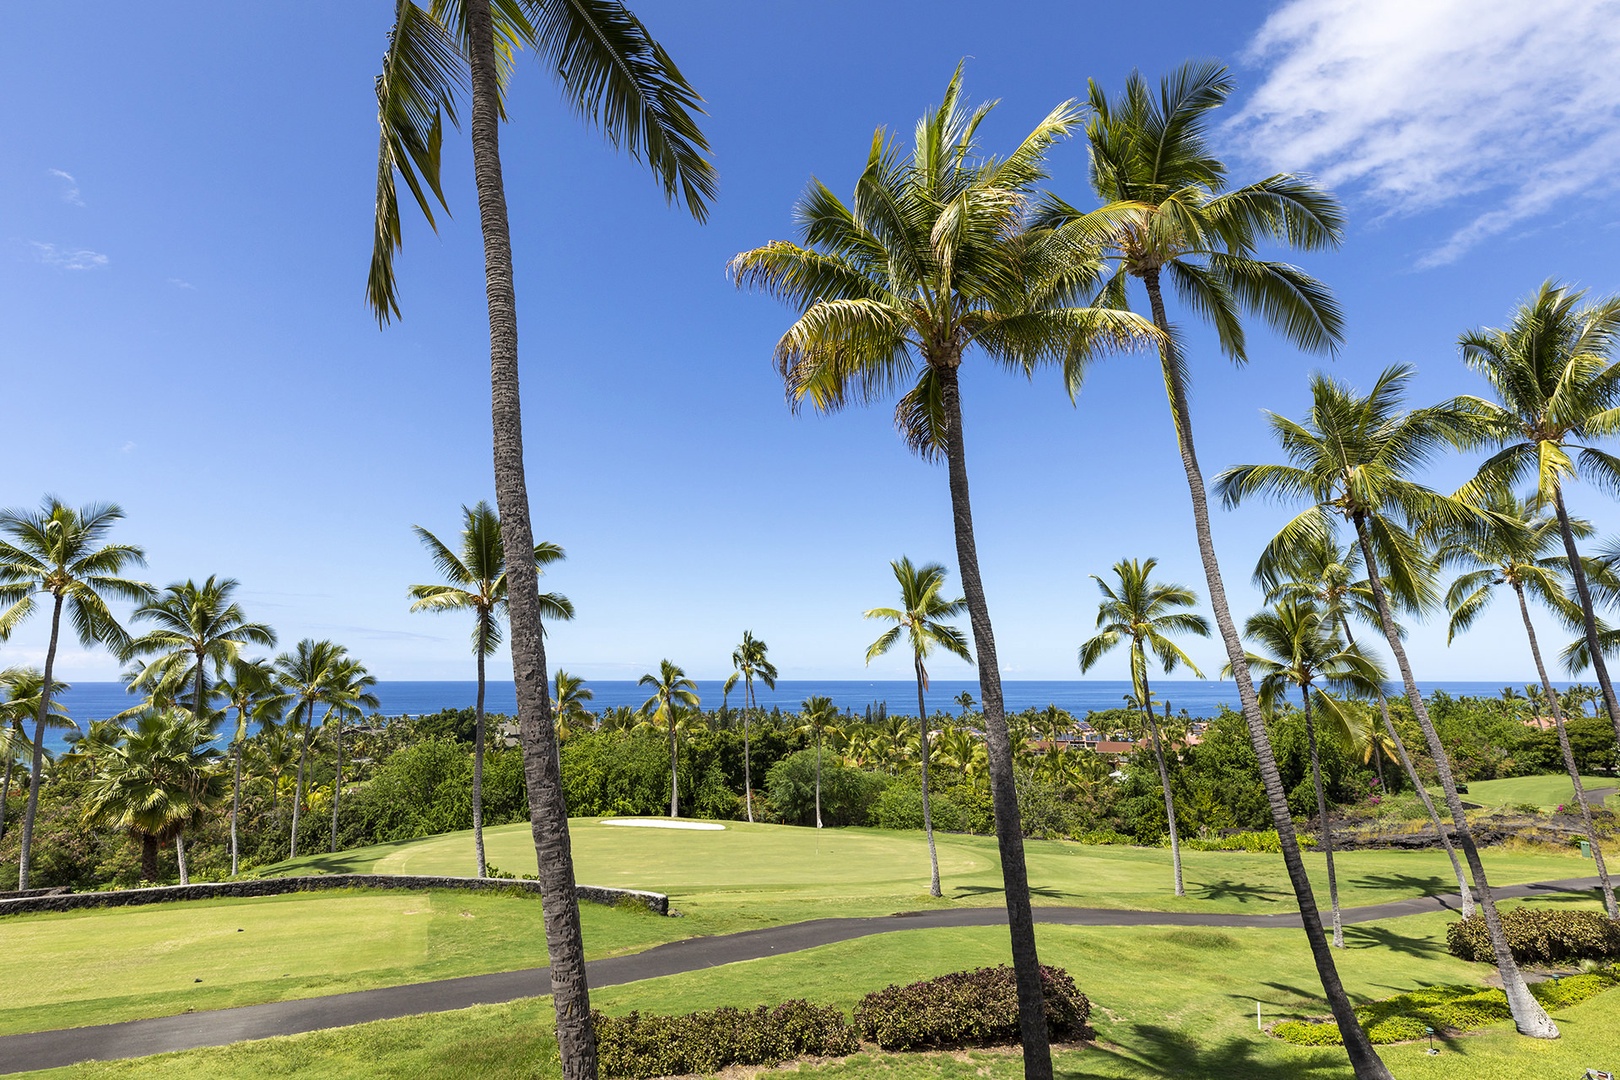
(97, 700)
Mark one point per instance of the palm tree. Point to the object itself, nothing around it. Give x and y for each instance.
(21, 687)
(965, 700)
(1514, 547)
(819, 718)
(1316, 568)
(250, 687)
(195, 625)
(348, 694)
(918, 619)
(61, 552)
(751, 663)
(1557, 391)
(307, 673)
(572, 694)
(1146, 613)
(1353, 458)
(672, 690)
(623, 81)
(1302, 650)
(932, 259)
(157, 781)
(1180, 219)
(476, 581)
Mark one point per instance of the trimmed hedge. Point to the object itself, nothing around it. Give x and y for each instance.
(968, 1008)
(1405, 1017)
(643, 1045)
(1539, 935)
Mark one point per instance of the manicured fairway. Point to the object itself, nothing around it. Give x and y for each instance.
(753, 874)
(1546, 792)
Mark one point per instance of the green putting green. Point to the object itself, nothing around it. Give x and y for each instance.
(1546, 792)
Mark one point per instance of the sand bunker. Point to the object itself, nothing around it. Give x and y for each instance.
(649, 823)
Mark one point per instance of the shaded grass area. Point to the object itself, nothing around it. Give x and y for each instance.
(103, 966)
(750, 875)
(1547, 792)
(1168, 1003)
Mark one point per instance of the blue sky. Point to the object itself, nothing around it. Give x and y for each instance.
(185, 210)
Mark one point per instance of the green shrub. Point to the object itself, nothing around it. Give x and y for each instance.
(847, 795)
(900, 807)
(1256, 843)
(968, 1008)
(1539, 935)
(1103, 837)
(643, 1045)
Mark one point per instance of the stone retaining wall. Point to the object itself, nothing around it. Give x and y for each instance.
(61, 900)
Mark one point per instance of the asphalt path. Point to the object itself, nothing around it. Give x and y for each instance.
(188, 1031)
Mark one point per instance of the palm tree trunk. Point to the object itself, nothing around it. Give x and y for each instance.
(1528, 1015)
(198, 691)
(928, 821)
(998, 746)
(298, 788)
(1164, 777)
(5, 788)
(1326, 840)
(478, 759)
(337, 784)
(548, 810)
(180, 857)
(674, 762)
(818, 778)
(37, 769)
(748, 755)
(1600, 667)
(236, 803)
(149, 858)
(1569, 757)
(1364, 1060)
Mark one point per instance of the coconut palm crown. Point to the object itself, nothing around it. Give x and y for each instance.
(194, 626)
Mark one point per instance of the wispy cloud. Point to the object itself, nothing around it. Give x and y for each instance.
(68, 258)
(181, 283)
(70, 189)
(127, 448)
(1511, 104)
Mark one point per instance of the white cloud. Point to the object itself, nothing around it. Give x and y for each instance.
(180, 283)
(1511, 104)
(70, 193)
(127, 448)
(68, 258)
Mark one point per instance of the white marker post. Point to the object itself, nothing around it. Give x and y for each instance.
(1259, 1025)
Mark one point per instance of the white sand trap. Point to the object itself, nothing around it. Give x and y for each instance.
(646, 823)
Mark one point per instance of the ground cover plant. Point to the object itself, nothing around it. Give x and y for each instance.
(646, 1044)
(1547, 791)
(1540, 935)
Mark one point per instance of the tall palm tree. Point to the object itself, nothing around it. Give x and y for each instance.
(620, 79)
(919, 619)
(1353, 458)
(475, 581)
(62, 553)
(818, 719)
(1146, 613)
(252, 689)
(159, 779)
(672, 691)
(348, 696)
(1318, 569)
(932, 259)
(1301, 649)
(1557, 388)
(194, 626)
(1183, 220)
(750, 661)
(21, 689)
(1514, 547)
(307, 672)
(572, 694)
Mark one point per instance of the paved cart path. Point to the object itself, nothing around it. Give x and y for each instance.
(138, 1038)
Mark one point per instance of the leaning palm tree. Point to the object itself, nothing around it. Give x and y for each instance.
(919, 620)
(621, 80)
(750, 662)
(158, 780)
(1183, 221)
(818, 718)
(672, 692)
(20, 687)
(348, 696)
(1514, 547)
(194, 626)
(1301, 649)
(932, 261)
(1146, 613)
(307, 673)
(1318, 569)
(1557, 389)
(251, 688)
(61, 552)
(475, 581)
(1353, 458)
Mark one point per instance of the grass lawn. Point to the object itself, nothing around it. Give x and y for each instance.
(1168, 1003)
(749, 875)
(101, 966)
(1546, 792)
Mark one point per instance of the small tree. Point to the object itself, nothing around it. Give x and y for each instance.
(672, 692)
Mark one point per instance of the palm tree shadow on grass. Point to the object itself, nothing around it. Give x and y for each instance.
(1406, 884)
(1384, 937)
(1242, 892)
(1168, 1052)
(964, 891)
